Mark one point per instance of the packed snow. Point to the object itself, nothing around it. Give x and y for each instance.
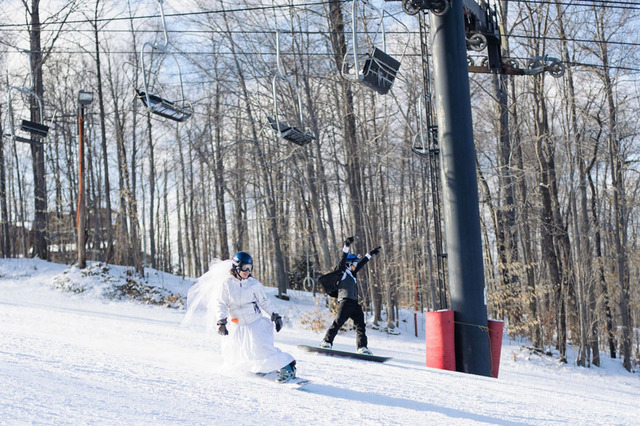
(75, 350)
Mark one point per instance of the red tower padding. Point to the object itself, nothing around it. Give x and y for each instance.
(495, 344)
(440, 340)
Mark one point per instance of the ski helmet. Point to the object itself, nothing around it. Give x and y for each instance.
(351, 258)
(241, 259)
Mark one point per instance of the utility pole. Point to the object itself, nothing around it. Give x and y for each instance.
(460, 191)
(84, 99)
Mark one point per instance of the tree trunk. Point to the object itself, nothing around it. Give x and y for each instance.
(4, 213)
(132, 197)
(267, 180)
(25, 236)
(219, 179)
(620, 225)
(40, 247)
(103, 134)
(599, 260)
(588, 339)
(152, 195)
(506, 228)
(352, 160)
(534, 324)
(181, 257)
(193, 223)
(239, 208)
(312, 179)
(545, 155)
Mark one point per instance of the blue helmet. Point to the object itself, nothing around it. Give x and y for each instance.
(240, 259)
(351, 258)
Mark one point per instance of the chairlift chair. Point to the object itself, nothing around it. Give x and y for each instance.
(292, 134)
(35, 130)
(165, 108)
(379, 69)
(283, 128)
(179, 110)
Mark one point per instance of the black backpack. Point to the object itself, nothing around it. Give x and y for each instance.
(330, 282)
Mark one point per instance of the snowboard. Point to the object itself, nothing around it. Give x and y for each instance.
(335, 352)
(295, 383)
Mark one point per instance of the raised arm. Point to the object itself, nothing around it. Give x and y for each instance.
(345, 252)
(366, 258)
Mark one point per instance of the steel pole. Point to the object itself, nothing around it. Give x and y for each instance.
(460, 192)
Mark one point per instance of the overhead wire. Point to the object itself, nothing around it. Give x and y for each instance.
(290, 5)
(326, 55)
(182, 14)
(612, 4)
(621, 5)
(316, 32)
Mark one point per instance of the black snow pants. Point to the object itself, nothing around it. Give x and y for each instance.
(348, 308)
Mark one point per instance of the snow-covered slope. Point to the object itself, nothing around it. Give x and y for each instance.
(80, 358)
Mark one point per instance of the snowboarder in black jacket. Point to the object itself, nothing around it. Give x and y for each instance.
(348, 299)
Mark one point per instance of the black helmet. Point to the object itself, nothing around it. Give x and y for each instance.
(241, 259)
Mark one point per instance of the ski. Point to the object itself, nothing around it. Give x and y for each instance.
(335, 352)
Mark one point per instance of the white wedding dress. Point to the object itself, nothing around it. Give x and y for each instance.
(243, 303)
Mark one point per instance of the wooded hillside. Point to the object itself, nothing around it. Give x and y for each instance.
(556, 162)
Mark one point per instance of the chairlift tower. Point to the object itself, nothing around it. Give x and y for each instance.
(458, 26)
(460, 191)
(459, 183)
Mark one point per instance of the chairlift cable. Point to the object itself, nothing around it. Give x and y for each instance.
(293, 32)
(613, 4)
(181, 14)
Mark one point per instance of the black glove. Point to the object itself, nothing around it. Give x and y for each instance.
(277, 320)
(348, 241)
(222, 327)
(375, 250)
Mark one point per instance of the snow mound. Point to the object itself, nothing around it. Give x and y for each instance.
(112, 282)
